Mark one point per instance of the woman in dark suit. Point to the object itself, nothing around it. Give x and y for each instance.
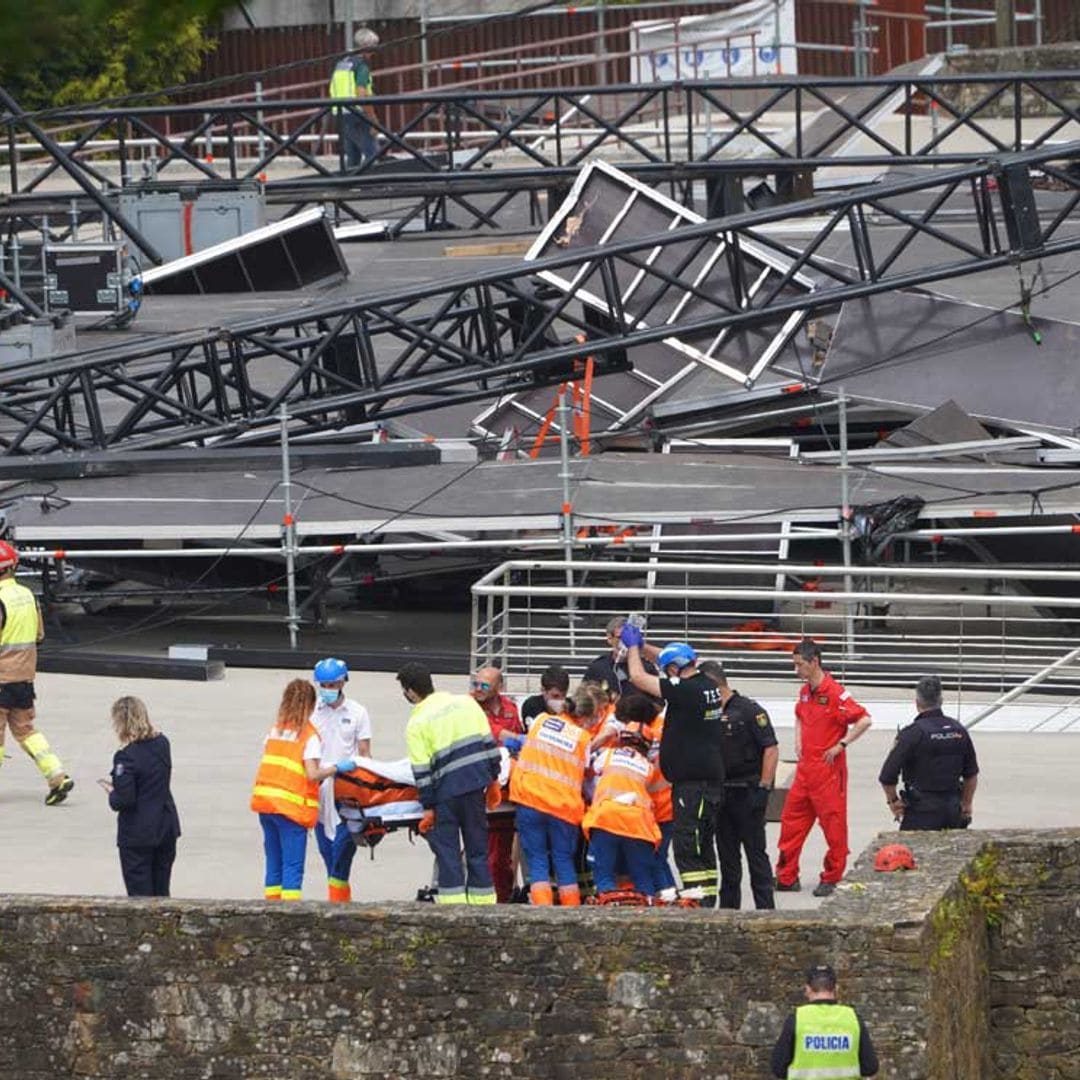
(147, 824)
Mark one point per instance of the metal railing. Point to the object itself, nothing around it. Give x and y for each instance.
(796, 120)
(984, 629)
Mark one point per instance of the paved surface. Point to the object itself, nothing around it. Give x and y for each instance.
(216, 731)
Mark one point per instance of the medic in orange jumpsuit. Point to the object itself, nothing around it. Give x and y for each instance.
(827, 721)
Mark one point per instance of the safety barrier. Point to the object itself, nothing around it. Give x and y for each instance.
(985, 629)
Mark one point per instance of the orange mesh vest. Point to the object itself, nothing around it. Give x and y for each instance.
(622, 804)
(550, 769)
(281, 785)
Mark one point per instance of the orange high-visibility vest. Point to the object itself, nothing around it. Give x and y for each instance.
(659, 787)
(622, 804)
(281, 784)
(550, 769)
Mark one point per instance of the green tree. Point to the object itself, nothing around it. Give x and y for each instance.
(62, 52)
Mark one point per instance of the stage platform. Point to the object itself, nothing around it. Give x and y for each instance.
(516, 497)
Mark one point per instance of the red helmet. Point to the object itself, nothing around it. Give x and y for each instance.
(894, 857)
(9, 557)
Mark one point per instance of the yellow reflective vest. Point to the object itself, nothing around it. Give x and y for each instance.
(21, 632)
(826, 1043)
(450, 747)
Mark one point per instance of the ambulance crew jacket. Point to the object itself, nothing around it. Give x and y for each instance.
(546, 785)
(287, 803)
(622, 804)
(454, 758)
(281, 784)
(451, 750)
(824, 1040)
(550, 769)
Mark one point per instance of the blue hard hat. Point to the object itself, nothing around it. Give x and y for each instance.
(678, 653)
(330, 670)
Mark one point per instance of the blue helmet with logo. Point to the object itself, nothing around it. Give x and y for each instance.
(676, 652)
(330, 670)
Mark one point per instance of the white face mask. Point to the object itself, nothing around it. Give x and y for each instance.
(554, 704)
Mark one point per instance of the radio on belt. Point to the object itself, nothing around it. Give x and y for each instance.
(87, 279)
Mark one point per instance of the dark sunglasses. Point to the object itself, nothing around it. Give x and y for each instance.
(476, 684)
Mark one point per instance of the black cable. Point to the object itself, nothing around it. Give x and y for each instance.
(148, 621)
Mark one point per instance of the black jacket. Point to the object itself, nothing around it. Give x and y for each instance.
(147, 814)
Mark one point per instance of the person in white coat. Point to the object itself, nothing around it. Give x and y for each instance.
(344, 727)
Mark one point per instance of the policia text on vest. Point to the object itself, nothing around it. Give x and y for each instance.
(823, 1040)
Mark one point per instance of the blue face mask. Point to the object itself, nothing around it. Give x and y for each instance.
(328, 696)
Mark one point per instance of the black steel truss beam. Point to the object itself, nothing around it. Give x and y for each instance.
(480, 337)
(431, 131)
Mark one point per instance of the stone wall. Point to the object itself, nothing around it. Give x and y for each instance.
(1034, 964)
(111, 988)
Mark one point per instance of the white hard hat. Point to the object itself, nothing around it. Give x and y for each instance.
(365, 38)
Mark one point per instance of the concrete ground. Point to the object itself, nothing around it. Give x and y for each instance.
(216, 731)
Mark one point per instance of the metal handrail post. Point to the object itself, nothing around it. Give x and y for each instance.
(567, 507)
(845, 524)
(259, 119)
(288, 535)
(1017, 691)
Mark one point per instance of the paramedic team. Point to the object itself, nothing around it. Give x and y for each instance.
(708, 769)
(619, 775)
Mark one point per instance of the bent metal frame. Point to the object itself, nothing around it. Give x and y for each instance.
(480, 337)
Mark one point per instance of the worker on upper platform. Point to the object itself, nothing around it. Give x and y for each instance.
(350, 80)
(22, 629)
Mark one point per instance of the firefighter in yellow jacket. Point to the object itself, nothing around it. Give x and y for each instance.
(21, 629)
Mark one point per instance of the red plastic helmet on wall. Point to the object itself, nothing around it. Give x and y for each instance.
(894, 857)
(9, 557)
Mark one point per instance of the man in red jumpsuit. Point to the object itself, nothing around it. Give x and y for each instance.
(827, 721)
(486, 689)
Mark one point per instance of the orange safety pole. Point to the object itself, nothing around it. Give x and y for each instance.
(586, 407)
(545, 427)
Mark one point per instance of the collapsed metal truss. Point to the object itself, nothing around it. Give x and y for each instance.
(440, 147)
(481, 337)
(606, 206)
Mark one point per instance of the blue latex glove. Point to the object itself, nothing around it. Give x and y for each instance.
(630, 635)
(345, 765)
(513, 743)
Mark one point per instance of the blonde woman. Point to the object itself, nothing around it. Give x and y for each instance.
(286, 792)
(147, 824)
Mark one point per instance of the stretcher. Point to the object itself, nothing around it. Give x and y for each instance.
(380, 797)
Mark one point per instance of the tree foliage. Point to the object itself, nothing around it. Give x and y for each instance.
(62, 52)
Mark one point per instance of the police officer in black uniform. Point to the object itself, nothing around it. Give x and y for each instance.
(937, 759)
(750, 751)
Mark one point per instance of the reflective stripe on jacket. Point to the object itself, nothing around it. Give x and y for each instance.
(826, 1043)
(281, 784)
(659, 785)
(451, 750)
(622, 804)
(21, 632)
(550, 769)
